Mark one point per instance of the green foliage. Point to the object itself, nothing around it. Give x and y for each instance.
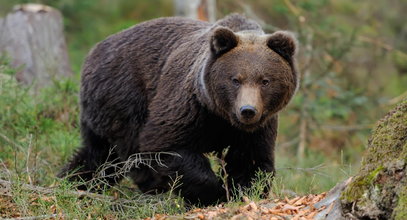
(44, 122)
(5, 66)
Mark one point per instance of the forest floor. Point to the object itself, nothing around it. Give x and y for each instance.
(312, 206)
(300, 207)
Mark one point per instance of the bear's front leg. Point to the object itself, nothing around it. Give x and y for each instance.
(199, 184)
(250, 153)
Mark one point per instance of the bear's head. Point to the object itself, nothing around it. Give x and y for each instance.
(249, 76)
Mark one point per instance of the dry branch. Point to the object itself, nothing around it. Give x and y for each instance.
(34, 217)
(6, 189)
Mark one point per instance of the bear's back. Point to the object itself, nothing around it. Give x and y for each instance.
(154, 40)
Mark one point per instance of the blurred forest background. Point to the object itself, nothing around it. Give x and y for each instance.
(352, 58)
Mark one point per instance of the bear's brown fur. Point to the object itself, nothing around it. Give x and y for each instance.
(188, 87)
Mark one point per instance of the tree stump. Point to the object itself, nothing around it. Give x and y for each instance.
(379, 190)
(32, 36)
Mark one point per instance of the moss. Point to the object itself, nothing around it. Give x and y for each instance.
(388, 138)
(377, 188)
(400, 212)
(358, 186)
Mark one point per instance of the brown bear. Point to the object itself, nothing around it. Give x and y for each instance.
(188, 87)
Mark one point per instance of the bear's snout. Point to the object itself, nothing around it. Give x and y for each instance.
(249, 105)
(248, 111)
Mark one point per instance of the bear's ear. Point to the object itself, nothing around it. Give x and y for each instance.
(284, 43)
(223, 40)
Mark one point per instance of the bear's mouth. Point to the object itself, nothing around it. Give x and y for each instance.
(251, 126)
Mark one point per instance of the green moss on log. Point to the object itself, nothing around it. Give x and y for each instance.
(400, 212)
(379, 189)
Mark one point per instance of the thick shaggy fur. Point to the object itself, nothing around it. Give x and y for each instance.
(165, 85)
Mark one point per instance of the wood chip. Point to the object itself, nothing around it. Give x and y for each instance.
(311, 215)
(300, 201)
(289, 207)
(292, 201)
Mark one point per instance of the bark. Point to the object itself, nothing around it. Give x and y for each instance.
(379, 190)
(32, 36)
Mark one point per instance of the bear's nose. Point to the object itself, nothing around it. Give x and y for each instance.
(248, 111)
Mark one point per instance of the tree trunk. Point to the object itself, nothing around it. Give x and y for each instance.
(379, 190)
(196, 9)
(32, 36)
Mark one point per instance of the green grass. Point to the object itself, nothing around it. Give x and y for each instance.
(39, 131)
(315, 174)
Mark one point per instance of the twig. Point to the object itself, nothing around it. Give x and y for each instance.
(346, 127)
(292, 8)
(4, 137)
(134, 161)
(308, 169)
(174, 184)
(305, 169)
(288, 143)
(225, 174)
(28, 159)
(376, 42)
(302, 137)
(5, 167)
(33, 217)
(398, 99)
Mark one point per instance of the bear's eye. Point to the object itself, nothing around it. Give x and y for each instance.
(265, 82)
(235, 82)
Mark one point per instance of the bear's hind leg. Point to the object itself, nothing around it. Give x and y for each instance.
(96, 164)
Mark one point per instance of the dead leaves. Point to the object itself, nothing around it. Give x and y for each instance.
(8, 208)
(298, 208)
